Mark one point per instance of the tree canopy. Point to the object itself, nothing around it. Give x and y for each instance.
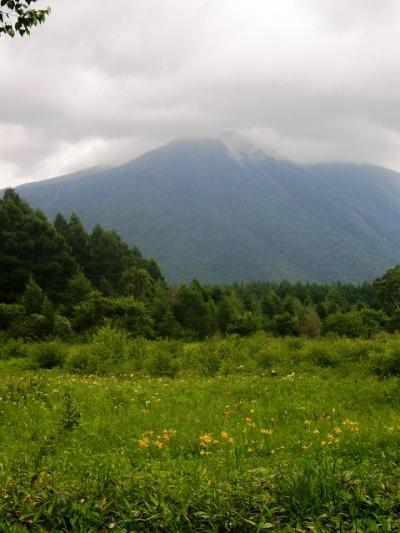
(59, 280)
(19, 17)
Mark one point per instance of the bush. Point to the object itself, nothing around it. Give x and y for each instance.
(13, 349)
(48, 355)
(78, 359)
(322, 355)
(106, 353)
(161, 364)
(387, 363)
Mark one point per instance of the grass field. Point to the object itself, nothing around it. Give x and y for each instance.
(312, 450)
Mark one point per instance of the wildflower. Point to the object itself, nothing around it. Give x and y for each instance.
(316, 431)
(158, 443)
(351, 424)
(205, 452)
(307, 422)
(225, 435)
(168, 434)
(144, 442)
(207, 439)
(338, 430)
(250, 422)
(266, 431)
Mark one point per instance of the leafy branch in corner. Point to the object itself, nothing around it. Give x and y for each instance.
(18, 17)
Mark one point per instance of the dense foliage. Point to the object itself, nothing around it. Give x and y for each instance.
(58, 280)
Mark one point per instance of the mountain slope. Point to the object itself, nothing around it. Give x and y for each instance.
(221, 211)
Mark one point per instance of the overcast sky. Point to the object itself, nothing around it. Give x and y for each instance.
(103, 81)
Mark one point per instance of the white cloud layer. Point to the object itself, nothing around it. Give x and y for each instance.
(101, 82)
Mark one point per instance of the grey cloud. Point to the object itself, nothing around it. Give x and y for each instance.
(313, 79)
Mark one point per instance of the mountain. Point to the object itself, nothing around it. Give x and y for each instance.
(222, 211)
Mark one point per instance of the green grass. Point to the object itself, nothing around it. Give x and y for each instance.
(317, 450)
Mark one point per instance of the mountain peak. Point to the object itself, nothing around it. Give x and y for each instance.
(241, 149)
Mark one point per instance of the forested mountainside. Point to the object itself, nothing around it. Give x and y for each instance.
(59, 281)
(222, 211)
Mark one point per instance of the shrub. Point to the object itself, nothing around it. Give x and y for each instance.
(108, 350)
(161, 364)
(322, 355)
(78, 359)
(387, 363)
(48, 355)
(13, 349)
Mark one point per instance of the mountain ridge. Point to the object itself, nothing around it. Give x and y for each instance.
(201, 212)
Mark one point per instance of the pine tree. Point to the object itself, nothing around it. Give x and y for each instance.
(30, 246)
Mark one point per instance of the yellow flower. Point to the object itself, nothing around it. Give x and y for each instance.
(204, 452)
(250, 422)
(307, 422)
(338, 430)
(144, 442)
(207, 439)
(168, 434)
(350, 424)
(266, 431)
(225, 435)
(158, 443)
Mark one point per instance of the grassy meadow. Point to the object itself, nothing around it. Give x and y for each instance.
(235, 434)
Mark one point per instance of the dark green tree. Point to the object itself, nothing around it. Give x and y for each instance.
(388, 287)
(138, 283)
(61, 225)
(109, 258)
(33, 298)
(30, 246)
(165, 323)
(78, 240)
(285, 324)
(79, 289)
(193, 311)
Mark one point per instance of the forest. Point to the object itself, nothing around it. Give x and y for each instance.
(57, 280)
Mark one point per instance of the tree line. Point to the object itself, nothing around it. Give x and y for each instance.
(59, 280)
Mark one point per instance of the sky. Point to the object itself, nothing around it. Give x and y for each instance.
(102, 82)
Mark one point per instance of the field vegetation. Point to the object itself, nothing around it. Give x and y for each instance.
(234, 434)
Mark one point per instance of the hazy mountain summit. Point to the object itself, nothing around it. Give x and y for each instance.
(222, 210)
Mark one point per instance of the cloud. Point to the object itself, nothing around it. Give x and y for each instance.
(314, 80)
